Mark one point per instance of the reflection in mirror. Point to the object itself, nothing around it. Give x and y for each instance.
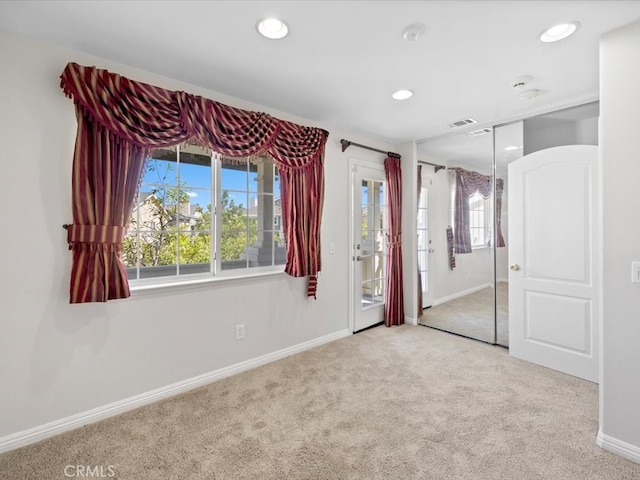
(467, 232)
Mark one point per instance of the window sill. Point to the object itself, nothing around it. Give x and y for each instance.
(201, 282)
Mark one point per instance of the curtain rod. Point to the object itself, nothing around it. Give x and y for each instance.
(346, 144)
(437, 167)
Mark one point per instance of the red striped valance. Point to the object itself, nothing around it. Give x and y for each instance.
(151, 117)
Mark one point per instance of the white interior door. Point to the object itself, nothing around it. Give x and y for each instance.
(554, 259)
(369, 234)
(425, 247)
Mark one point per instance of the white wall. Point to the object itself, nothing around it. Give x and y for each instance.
(57, 359)
(620, 150)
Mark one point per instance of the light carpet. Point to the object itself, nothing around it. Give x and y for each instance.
(388, 403)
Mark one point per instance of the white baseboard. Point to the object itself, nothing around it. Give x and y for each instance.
(613, 445)
(36, 434)
(462, 293)
(410, 321)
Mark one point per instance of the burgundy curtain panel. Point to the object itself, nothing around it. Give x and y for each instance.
(103, 192)
(394, 301)
(121, 120)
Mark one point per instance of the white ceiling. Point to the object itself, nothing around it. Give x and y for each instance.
(343, 59)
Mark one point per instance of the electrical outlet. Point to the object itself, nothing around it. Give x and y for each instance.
(239, 332)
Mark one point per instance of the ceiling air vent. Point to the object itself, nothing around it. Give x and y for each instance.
(462, 123)
(481, 131)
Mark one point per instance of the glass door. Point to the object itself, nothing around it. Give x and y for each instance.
(369, 227)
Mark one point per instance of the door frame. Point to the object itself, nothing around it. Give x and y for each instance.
(354, 163)
(427, 177)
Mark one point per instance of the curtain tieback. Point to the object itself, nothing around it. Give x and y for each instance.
(394, 240)
(95, 237)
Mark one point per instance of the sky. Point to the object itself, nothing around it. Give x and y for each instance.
(197, 181)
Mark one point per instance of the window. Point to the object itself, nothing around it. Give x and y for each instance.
(478, 226)
(201, 214)
(480, 220)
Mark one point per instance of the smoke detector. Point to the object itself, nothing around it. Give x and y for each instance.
(521, 81)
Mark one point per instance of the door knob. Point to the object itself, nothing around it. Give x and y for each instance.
(359, 258)
(515, 267)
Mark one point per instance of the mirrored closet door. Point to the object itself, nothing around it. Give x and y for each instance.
(468, 232)
(468, 211)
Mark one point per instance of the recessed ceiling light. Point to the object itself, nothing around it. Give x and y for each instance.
(559, 32)
(402, 94)
(272, 28)
(413, 32)
(511, 148)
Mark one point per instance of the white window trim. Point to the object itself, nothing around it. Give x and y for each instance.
(198, 281)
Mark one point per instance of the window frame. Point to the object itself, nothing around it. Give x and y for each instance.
(215, 273)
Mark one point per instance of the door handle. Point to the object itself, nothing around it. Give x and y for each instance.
(359, 258)
(431, 250)
(515, 267)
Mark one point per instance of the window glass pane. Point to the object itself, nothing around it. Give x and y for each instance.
(364, 192)
(378, 265)
(195, 247)
(276, 183)
(380, 193)
(161, 168)
(174, 196)
(364, 226)
(367, 294)
(195, 166)
(251, 225)
(234, 176)
(378, 290)
(233, 247)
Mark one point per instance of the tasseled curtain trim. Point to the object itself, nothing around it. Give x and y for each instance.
(394, 241)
